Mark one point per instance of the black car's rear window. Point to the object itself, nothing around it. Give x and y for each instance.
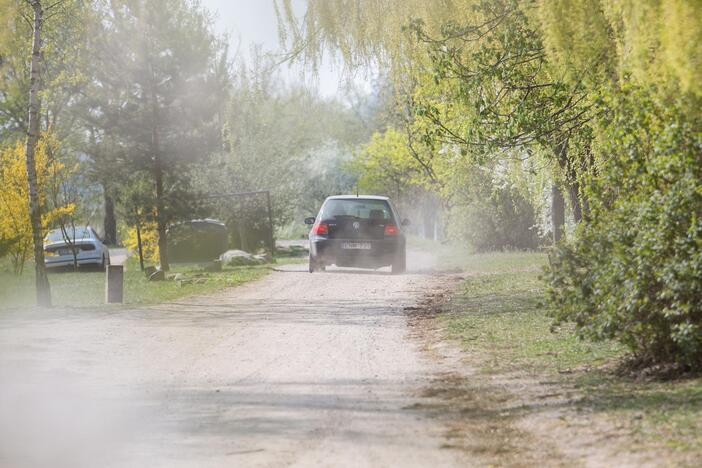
(376, 210)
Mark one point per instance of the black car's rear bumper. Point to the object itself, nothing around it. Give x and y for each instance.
(382, 252)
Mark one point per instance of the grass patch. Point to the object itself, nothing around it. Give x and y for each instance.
(500, 315)
(87, 287)
(497, 317)
(452, 256)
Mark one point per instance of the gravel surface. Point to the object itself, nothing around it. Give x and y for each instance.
(295, 369)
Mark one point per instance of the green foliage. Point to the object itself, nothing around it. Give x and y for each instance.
(63, 54)
(281, 138)
(635, 272)
(490, 210)
(363, 31)
(385, 165)
(493, 74)
(391, 165)
(654, 42)
(504, 219)
(275, 134)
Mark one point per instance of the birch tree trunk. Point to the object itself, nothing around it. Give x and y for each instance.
(43, 290)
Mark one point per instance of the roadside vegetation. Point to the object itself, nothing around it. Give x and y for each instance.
(527, 370)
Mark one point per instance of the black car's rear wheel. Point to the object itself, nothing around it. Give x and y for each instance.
(399, 263)
(314, 265)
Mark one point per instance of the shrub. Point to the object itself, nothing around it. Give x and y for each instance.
(634, 274)
(15, 225)
(493, 216)
(149, 241)
(196, 241)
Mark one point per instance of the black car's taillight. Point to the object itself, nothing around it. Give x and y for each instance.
(390, 230)
(321, 229)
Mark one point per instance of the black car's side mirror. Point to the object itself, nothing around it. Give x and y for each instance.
(309, 220)
(405, 222)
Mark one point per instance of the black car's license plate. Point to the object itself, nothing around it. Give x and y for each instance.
(356, 245)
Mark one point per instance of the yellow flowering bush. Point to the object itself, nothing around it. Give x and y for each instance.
(15, 226)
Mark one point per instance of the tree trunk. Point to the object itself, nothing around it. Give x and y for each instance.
(577, 199)
(161, 223)
(588, 166)
(43, 290)
(110, 222)
(586, 209)
(574, 195)
(139, 247)
(557, 213)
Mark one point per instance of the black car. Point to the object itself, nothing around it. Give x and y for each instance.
(357, 231)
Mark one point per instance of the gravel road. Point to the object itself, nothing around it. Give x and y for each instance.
(292, 370)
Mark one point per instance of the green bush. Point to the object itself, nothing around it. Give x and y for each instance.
(496, 219)
(634, 273)
(197, 241)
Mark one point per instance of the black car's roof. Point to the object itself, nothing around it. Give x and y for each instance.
(360, 197)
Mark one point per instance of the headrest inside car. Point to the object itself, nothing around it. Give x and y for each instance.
(376, 214)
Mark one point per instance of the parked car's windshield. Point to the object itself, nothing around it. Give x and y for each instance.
(376, 210)
(56, 235)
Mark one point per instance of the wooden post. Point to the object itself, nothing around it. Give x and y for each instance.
(114, 284)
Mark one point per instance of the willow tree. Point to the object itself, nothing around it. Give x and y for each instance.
(474, 75)
(650, 42)
(498, 90)
(364, 31)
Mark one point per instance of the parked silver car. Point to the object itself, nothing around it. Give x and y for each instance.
(59, 244)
